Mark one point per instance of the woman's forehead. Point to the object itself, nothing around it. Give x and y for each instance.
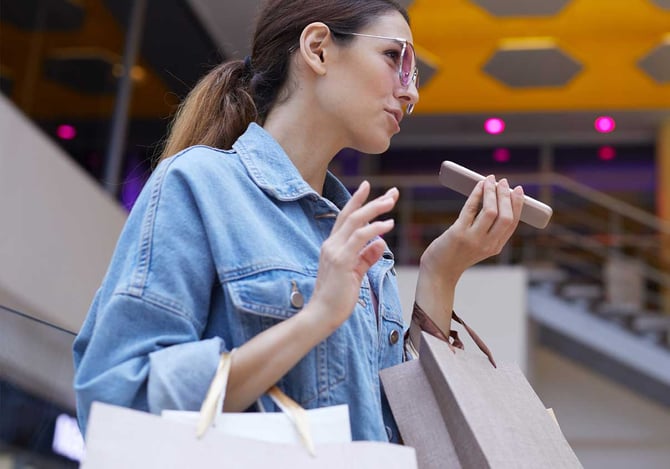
(391, 24)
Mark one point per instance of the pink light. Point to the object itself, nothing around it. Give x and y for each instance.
(494, 126)
(604, 124)
(501, 155)
(606, 153)
(66, 132)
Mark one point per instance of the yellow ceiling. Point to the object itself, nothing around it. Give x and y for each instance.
(608, 37)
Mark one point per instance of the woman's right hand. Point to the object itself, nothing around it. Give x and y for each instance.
(348, 253)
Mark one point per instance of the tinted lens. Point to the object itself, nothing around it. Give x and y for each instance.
(407, 64)
(415, 75)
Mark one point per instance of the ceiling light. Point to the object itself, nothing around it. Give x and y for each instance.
(606, 153)
(501, 155)
(494, 126)
(66, 132)
(604, 124)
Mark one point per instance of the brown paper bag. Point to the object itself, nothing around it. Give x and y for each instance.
(457, 410)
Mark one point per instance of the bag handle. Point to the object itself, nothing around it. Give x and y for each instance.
(212, 406)
(426, 324)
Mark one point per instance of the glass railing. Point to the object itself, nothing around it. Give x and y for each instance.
(38, 427)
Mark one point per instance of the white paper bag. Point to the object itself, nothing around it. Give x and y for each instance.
(320, 438)
(118, 437)
(328, 425)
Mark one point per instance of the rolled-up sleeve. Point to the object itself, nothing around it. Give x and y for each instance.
(141, 345)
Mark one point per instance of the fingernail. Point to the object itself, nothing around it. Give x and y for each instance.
(389, 222)
(387, 195)
(504, 182)
(391, 192)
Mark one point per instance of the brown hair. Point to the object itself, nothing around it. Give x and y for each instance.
(235, 93)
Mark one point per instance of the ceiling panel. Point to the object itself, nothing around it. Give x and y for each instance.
(461, 37)
(532, 67)
(522, 7)
(656, 64)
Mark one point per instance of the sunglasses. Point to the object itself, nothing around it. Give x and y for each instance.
(407, 70)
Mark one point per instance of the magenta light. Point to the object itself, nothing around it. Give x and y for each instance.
(501, 155)
(606, 153)
(604, 124)
(66, 132)
(494, 126)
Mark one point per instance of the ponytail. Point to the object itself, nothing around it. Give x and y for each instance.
(216, 111)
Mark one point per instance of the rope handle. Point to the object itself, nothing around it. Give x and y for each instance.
(212, 406)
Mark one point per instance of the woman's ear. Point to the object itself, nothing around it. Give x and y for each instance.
(315, 44)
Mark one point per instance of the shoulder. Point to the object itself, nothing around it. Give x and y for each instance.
(199, 165)
(189, 176)
(199, 159)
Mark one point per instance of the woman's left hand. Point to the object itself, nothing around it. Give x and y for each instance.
(478, 233)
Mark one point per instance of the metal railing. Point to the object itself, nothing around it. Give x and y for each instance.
(589, 227)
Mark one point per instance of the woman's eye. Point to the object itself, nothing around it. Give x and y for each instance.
(393, 54)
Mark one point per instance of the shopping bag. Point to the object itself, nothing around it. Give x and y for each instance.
(294, 425)
(459, 411)
(327, 425)
(120, 437)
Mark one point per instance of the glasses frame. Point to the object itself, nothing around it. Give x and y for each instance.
(413, 77)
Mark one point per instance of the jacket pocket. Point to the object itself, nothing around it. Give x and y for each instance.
(263, 300)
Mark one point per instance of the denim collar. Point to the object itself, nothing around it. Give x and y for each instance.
(273, 171)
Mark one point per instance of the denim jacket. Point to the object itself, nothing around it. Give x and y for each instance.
(220, 246)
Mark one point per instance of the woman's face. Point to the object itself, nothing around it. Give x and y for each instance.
(364, 92)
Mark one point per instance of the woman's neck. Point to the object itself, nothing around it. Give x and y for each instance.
(308, 141)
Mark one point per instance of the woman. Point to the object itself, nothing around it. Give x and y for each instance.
(246, 241)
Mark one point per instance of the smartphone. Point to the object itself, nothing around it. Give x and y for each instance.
(463, 180)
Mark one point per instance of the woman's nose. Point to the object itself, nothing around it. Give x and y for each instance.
(409, 97)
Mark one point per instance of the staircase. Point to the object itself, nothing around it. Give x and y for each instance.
(599, 289)
(603, 343)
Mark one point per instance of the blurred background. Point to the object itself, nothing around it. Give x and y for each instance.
(570, 98)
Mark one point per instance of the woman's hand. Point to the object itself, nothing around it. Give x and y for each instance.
(486, 222)
(348, 253)
(346, 256)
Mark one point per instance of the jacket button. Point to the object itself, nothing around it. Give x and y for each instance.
(394, 336)
(296, 298)
(297, 301)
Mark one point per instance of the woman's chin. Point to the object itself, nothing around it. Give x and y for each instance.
(375, 146)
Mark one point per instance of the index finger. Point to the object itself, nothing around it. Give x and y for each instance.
(472, 205)
(358, 212)
(359, 197)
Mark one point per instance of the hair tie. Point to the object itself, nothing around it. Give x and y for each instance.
(247, 64)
